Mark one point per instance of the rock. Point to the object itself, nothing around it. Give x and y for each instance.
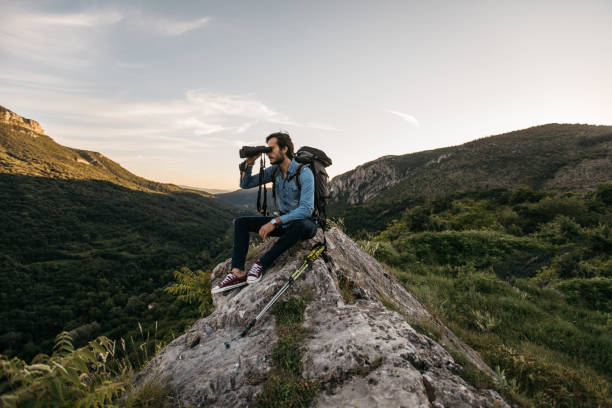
(364, 182)
(11, 118)
(361, 353)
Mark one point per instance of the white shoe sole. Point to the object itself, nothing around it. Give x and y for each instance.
(251, 279)
(217, 289)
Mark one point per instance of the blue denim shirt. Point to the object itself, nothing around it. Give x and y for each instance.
(293, 204)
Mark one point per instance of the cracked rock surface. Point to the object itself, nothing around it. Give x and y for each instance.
(362, 354)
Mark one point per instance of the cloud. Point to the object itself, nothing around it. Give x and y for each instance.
(199, 127)
(87, 19)
(214, 104)
(25, 78)
(408, 118)
(163, 26)
(77, 40)
(200, 121)
(59, 40)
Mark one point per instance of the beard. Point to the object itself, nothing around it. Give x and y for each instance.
(279, 159)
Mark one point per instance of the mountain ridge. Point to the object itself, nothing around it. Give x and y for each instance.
(40, 155)
(551, 156)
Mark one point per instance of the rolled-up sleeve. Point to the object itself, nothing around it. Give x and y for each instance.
(249, 181)
(306, 205)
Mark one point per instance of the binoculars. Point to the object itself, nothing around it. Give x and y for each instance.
(250, 151)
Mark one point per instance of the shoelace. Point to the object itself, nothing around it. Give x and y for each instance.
(228, 278)
(255, 269)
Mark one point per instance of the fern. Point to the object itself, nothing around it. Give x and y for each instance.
(193, 287)
(63, 344)
(68, 378)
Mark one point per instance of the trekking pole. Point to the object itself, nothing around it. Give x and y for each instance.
(316, 251)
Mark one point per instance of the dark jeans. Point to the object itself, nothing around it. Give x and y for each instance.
(295, 231)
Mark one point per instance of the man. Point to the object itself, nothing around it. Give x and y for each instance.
(296, 207)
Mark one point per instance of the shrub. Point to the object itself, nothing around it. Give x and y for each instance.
(69, 377)
(604, 193)
(561, 230)
(193, 287)
(549, 384)
(593, 293)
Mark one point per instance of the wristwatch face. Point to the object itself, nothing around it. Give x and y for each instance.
(273, 221)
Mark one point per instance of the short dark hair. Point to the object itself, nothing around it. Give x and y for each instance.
(283, 140)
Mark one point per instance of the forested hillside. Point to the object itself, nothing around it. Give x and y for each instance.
(523, 276)
(87, 246)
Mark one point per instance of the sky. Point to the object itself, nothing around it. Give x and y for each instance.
(172, 90)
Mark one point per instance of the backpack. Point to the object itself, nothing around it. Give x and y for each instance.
(316, 160)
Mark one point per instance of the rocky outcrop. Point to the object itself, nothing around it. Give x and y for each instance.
(364, 182)
(583, 176)
(11, 118)
(362, 353)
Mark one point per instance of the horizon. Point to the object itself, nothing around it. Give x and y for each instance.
(222, 191)
(171, 93)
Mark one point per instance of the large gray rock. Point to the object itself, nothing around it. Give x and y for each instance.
(363, 354)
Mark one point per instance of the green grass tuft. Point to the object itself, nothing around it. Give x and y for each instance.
(284, 385)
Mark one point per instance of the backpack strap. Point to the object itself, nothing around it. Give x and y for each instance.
(296, 175)
(274, 173)
(262, 209)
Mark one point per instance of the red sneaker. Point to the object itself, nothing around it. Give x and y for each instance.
(231, 281)
(255, 273)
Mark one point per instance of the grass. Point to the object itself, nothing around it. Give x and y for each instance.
(150, 395)
(474, 376)
(489, 313)
(346, 288)
(284, 385)
(524, 278)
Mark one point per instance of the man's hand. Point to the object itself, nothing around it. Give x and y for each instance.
(251, 160)
(265, 230)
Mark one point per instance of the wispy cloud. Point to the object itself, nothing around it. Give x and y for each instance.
(26, 79)
(408, 118)
(65, 41)
(86, 19)
(199, 121)
(60, 50)
(164, 26)
(76, 40)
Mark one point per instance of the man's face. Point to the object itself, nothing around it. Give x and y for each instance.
(277, 155)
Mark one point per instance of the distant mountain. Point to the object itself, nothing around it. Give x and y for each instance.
(208, 190)
(26, 150)
(87, 246)
(550, 157)
(246, 199)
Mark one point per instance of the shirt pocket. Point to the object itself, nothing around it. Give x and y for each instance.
(293, 193)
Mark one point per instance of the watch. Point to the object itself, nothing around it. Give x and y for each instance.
(273, 221)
